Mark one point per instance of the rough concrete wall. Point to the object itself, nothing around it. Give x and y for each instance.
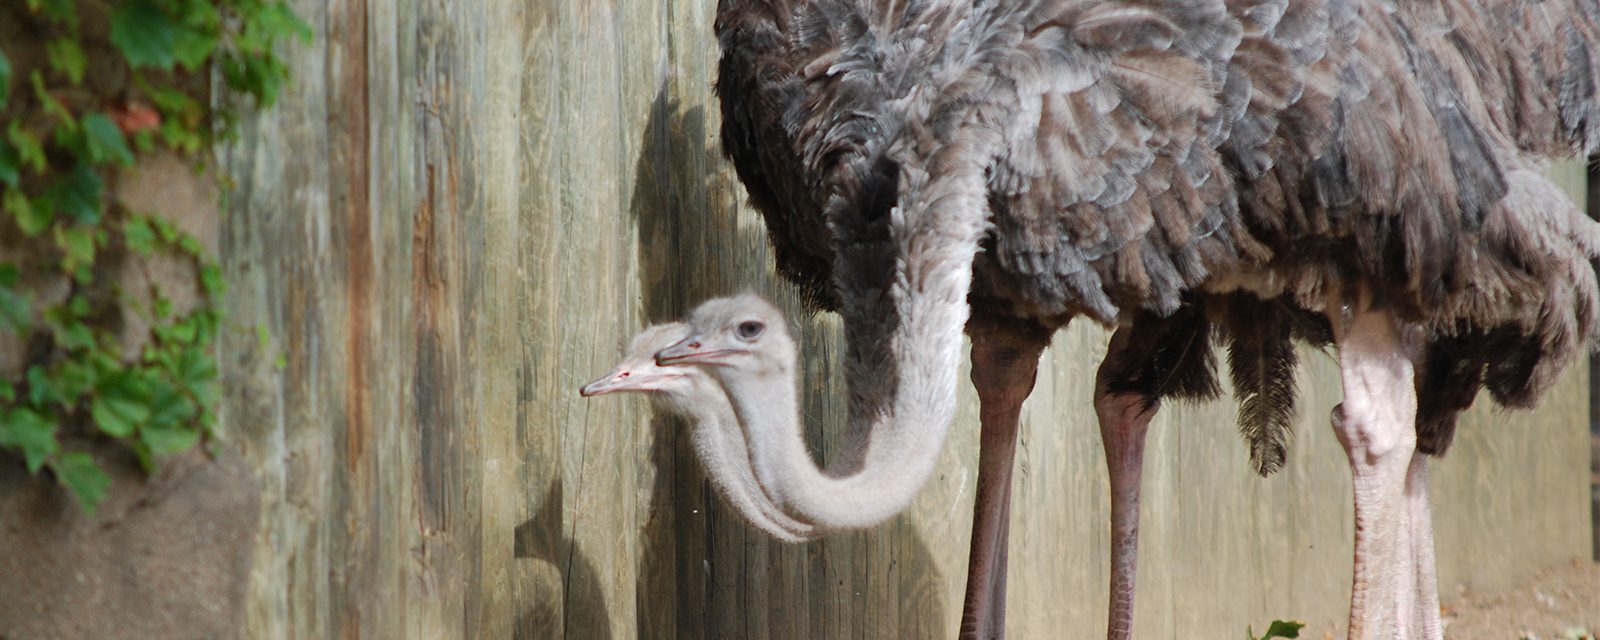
(165, 556)
(458, 215)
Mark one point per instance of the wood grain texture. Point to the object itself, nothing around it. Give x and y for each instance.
(457, 214)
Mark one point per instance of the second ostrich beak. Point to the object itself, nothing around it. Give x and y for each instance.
(624, 378)
(694, 350)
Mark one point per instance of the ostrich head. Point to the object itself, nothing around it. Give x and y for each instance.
(639, 373)
(744, 333)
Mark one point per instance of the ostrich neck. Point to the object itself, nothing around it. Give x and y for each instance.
(768, 409)
(720, 445)
(918, 314)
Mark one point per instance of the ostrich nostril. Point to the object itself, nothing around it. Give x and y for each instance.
(626, 374)
(694, 345)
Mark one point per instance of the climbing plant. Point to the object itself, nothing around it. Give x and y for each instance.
(86, 88)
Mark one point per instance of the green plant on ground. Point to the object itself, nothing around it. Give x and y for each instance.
(86, 87)
(1278, 629)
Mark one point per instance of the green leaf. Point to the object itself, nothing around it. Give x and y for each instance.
(68, 58)
(211, 277)
(40, 391)
(143, 140)
(198, 375)
(29, 149)
(136, 232)
(104, 141)
(10, 164)
(165, 441)
(195, 366)
(259, 76)
(73, 335)
(35, 435)
(163, 308)
(58, 10)
(48, 102)
(180, 136)
(30, 219)
(192, 48)
(168, 407)
(85, 478)
(74, 377)
(77, 247)
(5, 78)
(121, 405)
(147, 460)
(13, 308)
(1283, 629)
(181, 332)
(78, 306)
(144, 33)
(271, 21)
(169, 232)
(174, 104)
(78, 194)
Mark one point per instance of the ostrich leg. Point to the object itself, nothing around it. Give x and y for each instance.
(1124, 419)
(1426, 619)
(1376, 426)
(1005, 360)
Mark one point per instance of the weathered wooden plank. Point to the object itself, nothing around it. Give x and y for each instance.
(456, 216)
(540, 539)
(396, 193)
(270, 412)
(498, 602)
(594, 284)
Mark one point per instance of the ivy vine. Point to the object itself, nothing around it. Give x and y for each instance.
(86, 87)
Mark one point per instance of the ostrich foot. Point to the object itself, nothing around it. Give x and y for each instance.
(1124, 419)
(1376, 426)
(1005, 360)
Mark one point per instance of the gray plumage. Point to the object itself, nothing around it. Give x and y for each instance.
(1428, 189)
(1196, 173)
(1157, 154)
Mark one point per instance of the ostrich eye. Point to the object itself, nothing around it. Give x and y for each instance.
(750, 330)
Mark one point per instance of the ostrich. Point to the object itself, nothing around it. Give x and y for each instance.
(1353, 171)
(717, 438)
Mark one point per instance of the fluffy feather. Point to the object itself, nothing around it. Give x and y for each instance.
(1261, 363)
(1150, 150)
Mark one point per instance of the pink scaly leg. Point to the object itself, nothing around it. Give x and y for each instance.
(1005, 360)
(1376, 425)
(1426, 619)
(1124, 419)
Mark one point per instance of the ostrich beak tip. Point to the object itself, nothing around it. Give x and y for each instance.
(608, 383)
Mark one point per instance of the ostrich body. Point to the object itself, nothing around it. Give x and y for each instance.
(1352, 171)
(715, 433)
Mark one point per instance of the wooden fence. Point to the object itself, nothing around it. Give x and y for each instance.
(459, 212)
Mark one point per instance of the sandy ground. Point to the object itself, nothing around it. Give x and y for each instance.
(1562, 603)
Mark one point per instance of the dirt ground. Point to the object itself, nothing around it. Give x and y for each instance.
(1561, 603)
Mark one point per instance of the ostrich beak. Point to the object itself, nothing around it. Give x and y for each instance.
(693, 350)
(619, 380)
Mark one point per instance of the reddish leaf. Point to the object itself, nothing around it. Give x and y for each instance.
(134, 117)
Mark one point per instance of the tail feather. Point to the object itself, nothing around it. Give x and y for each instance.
(1261, 363)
